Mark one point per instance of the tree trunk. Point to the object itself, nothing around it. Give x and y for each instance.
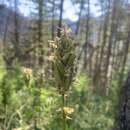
(79, 17)
(87, 36)
(53, 16)
(60, 18)
(97, 75)
(109, 50)
(16, 29)
(40, 19)
(122, 121)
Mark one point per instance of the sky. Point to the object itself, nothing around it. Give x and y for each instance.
(69, 10)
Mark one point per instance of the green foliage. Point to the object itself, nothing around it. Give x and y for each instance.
(63, 69)
(29, 106)
(92, 111)
(63, 62)
(22, 102)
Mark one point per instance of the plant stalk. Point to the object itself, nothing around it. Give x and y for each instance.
(63, 113)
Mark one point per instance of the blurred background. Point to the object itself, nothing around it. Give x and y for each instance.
(100, 30)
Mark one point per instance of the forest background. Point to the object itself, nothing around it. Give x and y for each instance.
(35, 74)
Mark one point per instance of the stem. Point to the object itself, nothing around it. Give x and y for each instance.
(63, 113)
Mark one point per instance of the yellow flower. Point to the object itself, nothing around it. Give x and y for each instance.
(50, 41)
(51, 58)
(69, 118)
(69, 30)
(66, 30)
(53, 45)
(27, 71)
(57, 39)
(68, 110)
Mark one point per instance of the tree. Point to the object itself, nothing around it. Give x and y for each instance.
(82, 2)
(122, 121)
(87, 34)
(103, 42)
(53, 18)
(60, 18)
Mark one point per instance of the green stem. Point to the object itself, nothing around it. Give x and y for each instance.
(63, 113)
